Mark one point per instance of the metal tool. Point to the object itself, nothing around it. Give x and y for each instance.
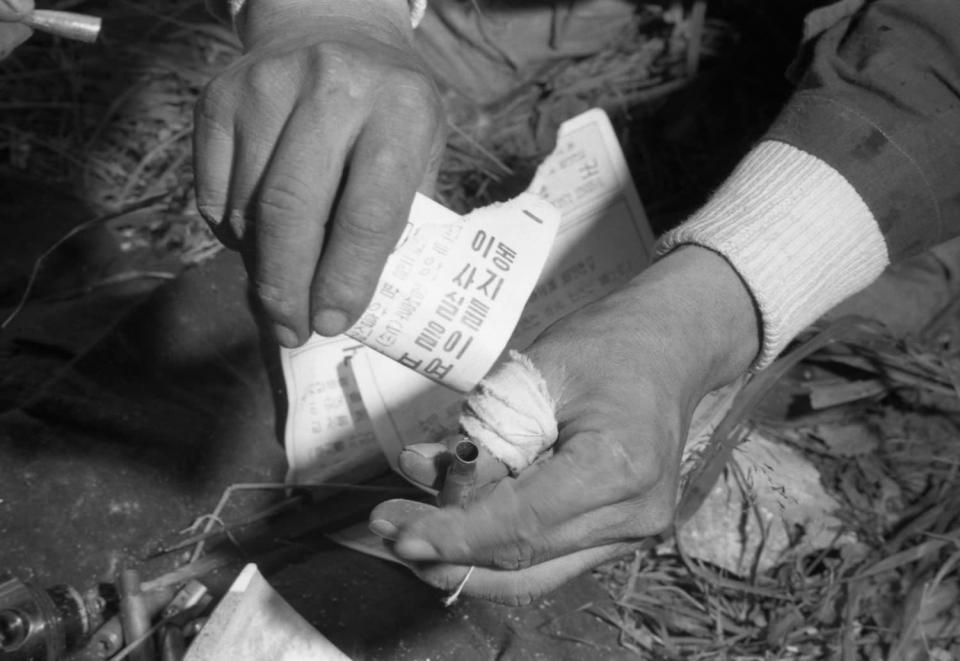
(461, 479)
(107, 640)
(40, 624)
(69, 25)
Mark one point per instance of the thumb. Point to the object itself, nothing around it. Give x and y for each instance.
(15, 10)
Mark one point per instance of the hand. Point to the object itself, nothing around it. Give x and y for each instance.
(626, 373)
(12, 32)
(309, 151)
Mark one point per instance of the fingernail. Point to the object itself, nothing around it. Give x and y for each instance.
(286, 337)
(210, 214)
(416, 549)
(383, 528)
(330, 322)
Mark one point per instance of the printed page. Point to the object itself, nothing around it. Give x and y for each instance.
(604, 239)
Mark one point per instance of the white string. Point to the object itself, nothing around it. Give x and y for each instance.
(452, 599)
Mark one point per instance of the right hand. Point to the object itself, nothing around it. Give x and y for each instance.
(309, 151)
(12, 32)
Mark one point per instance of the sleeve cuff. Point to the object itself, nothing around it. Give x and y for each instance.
(799, 235)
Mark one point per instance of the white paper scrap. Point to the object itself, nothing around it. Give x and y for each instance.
(603, 241)
(328, 433)
(452, 291)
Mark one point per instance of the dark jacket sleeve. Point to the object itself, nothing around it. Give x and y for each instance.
(880, 103)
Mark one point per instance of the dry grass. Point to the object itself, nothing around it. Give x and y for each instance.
(112, 122)
(892, 460)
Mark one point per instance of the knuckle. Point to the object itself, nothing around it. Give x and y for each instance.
(522, 598)
(213, 104)
(262, 75)
(374, 225)
(329, 60)
(349, 290)
(413, 93)
(284, 196)
(514, 556)
(275, 300)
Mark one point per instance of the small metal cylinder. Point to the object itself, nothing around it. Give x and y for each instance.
(460, 482)
(69, 25)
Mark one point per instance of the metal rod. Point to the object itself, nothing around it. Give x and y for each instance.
(67, 24)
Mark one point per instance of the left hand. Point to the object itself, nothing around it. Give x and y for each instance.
(626, 373)
(12, 32)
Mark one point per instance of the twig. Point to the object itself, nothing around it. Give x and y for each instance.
(225, 529)
(93, 222)
(276, 486)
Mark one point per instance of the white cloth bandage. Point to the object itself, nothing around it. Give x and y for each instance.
(799, 235)
(511, 413)
(417, 9)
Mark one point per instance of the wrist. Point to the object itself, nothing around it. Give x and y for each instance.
(263, 21)
(707, 312)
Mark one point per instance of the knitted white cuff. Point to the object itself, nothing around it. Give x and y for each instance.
(417, 9)
(799, 235)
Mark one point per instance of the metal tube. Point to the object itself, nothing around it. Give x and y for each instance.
(69, 25)
(461, 479)
(135, 614)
